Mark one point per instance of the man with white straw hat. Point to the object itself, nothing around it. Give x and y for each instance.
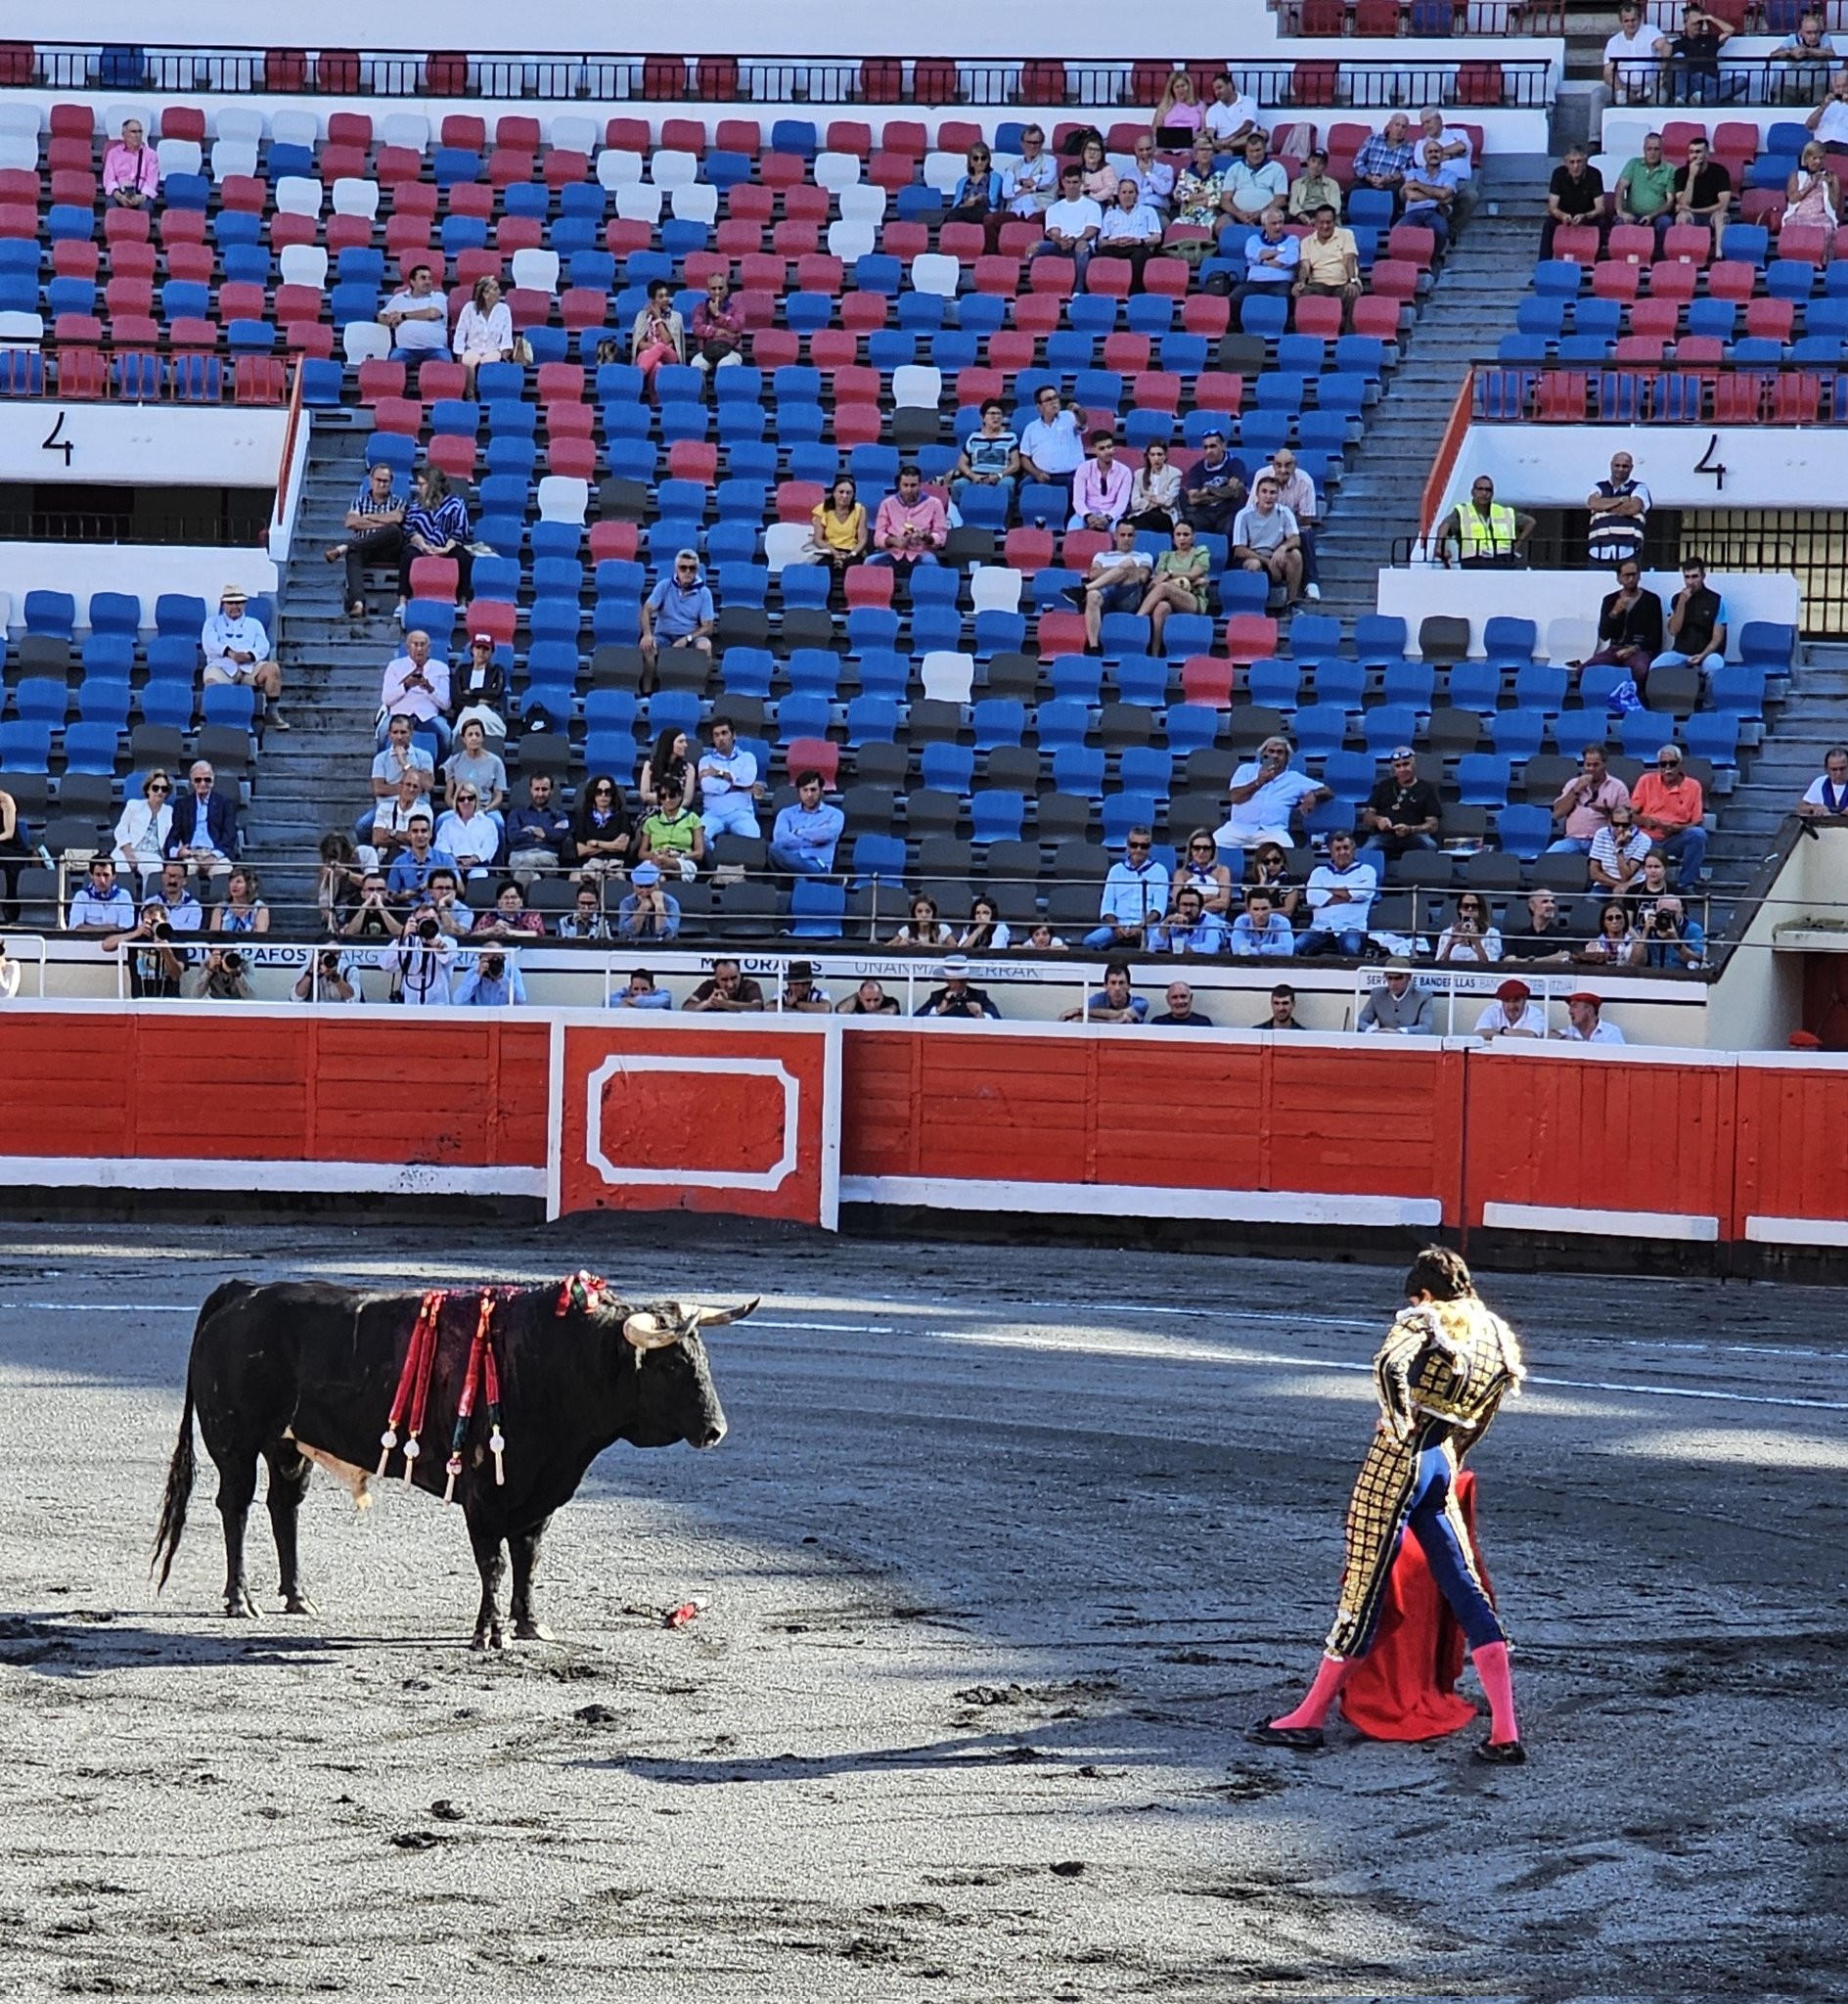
(236, 648)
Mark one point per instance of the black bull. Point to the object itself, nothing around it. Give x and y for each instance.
(304, 1366)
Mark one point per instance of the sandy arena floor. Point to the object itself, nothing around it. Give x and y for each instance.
(998, 1562)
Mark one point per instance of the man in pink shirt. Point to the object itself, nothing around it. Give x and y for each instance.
(910, 526)
(131, 170)
(1100, 488)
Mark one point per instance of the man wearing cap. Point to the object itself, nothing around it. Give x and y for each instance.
(478, 687)
(236, 648)
(416, 684)
(1513, 1014)
(957, 997)
(649, 912)
(679, 610)
(802, 994)
(1402, 812)
(1212, 494)
(1669, 810)
(1587, 1024)
(1181, 1013)
(1402, 1007)
(728, 784)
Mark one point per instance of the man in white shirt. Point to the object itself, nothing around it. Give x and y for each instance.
(1051, 446)
(728, 779)
(102, 905)
(1232, 116)
(236, 648)
(1513, 1014)
(1341, 893)
(1154, 177)
(1265, 793)
(419, 961)
(401, 757)
(417, 686)
(1296, 492)
(1029, 187)
(1631, 57)
(1132, 230)
(1135, 896)
(1117, 583)
(1072, 224)
(1100, 489)
(1265, 539)
(1587, 1024)
(417, 316)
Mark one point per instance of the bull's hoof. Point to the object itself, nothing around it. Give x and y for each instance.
(299, 1604)
(489, 1637)
(529, 1630)
(240, 1606)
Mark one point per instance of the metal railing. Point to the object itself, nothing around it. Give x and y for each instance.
(48, 524)
(1478, 20)
(1658, 393)
(36, 370)
(1648, 84)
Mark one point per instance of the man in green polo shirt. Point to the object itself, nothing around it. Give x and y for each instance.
(1647, 185)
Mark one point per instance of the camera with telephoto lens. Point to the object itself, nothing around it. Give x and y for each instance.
(162, 930)
(493, 966)
(428, 928)
(233, 961)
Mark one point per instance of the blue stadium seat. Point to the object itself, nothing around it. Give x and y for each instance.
(1517, 733)
(998, 720)
(997, 815)
(1058, 722)
(948, 767)
(818, 908)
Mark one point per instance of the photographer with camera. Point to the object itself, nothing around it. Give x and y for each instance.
(224, 978)
(156, 967)
(1670, 936)
(328, 977)
(490, 981)
(419, 962)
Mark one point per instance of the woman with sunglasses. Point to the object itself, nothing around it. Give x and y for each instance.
(979, 196)
(1267, 868)
(601, 830)
(142, 832)
(1202, 870)
(1616, 943)
(1471, 936)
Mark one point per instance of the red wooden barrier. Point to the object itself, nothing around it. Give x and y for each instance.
(1790, 1180)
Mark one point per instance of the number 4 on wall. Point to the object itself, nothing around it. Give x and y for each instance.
(1705, 464)
(56, 441)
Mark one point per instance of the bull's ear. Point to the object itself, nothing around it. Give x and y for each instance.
(716, 1318)
(648, 1332)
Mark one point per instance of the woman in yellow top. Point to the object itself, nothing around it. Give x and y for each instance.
(838, 527)
(1179, 583)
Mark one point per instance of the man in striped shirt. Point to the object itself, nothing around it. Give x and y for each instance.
(375, 527)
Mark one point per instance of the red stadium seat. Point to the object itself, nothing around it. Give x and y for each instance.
(1216, 390)
(1376, 18)
(1377, 317)
(1129, 354)
(882, 80)
(1207, 681)
(1043, 81)
(18, 60)
(1560, 396)
(629, 135)
(814, 755)
(681, 135)
(868, 584)
(1480, 83)
(454, 454)
(1733, 279)
(1315, 83)
(1168, 277)
(259, 379)
(614, 540)
(1803, 242)
(1063, 633)
(693, 459)
(1795, 397)
(350, 128)
(1575, 242)
(518, 131)
(849, 135)
(1687, 243)
(1616, 281)
(1249, 637)
(935, 80)
(337, 71)
(1010, 348)
(1028, 550)
(82, 374)
(446, 73)
(715, 80)
(664, 79)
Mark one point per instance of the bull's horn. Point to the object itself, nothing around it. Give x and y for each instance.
(716, 1318)
(648, 1332)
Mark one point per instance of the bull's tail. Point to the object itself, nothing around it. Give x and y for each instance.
(180, 1473)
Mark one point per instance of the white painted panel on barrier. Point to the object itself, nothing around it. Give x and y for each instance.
(129, 445)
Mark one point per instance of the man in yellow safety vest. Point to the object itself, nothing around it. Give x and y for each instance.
(1488, 536)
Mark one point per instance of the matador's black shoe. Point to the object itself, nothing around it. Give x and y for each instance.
(1305, 1739)
(1501, 1754)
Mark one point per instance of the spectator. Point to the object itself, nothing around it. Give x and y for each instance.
(807, 830)
(729, 991)
(1693, 68)
(243, 909)
(1587, 803)
(141, 834)
(1670, 805)
(1154, 493)
(15, 850)
(801, 993)
(1100, 177)
(1132, 229)
(204, 831)
(677, 613)
(641, 993)
(1403, 812)
(102, 905)
(1633, 57)
(1574, 195)
(1472, 936)
(443, 893)
(1115, 1002)
(338, 889)
(1809, 48)
(1232, 116)
(1117, 583)
(484, 330)
(1386, 157)
(389, 827)
(1341, 893)
(1433, 191)
(416, 685)
(868, 999)
(1697, 624)
(669, 757)
(1830, 120)
(328, 977)
(224, 978)
(648, 912)
(718, 328)
(1619, 508)
(435, 524)
(476, 766)
(981, 195)
(375, 532)
(416, 316)
(1155, 178)
(1264, 540)
(409, 876)
(1199, 198)
(1400, 1007)
(1135, 895)
(1283, 1014)
(1040, 938)
(1328, 264)
(1314, 190)
(372, 917)
(910, 526)
(478, 686)
(728, 785)
(1270, 261)
(1029, 187)
(1051, 447)
(837, 529)
(990, 456)
(1585, 1021)
(1072, 224)
(1257, 184)
(672, 835)
(1260, 931)
(1178, 110)
(131, 169)
(987, 931)
(1514, 1014)
(1488, 535)
(957, 997)
(1455, 146)
(1214, 491)
(1296, 492)
(401, 757)
(1190, 928)
(1703, 193)
(539, 833)
(1545, 943)
(1828, 795)
(510, 918)
(1181, 1013)
(1200, 868)
(585, 921)
(1614, 943)
(1646, 189)
(1671, 938)
(1617, 850)
(600, 833)
(1264, 795)
(1629, 627)
(419, 961)
(659, 335)
(924, 927)
(490, 980)
(236, 648)
(1178, 583)
(1812, 194)
(468, 833)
